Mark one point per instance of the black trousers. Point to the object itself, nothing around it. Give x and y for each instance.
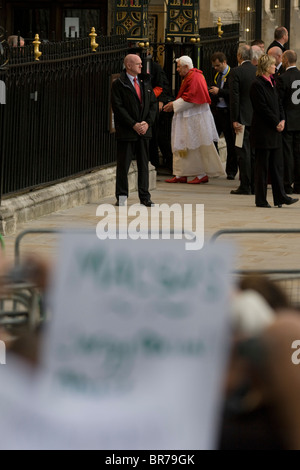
(164, 138)
(223, 124)
(245, 159)
(291, 159)
(153, 144)
(269, 161)
(126, 152)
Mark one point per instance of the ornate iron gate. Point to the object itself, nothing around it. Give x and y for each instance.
(210, 41)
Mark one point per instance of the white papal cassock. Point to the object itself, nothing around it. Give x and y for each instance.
(193, 136)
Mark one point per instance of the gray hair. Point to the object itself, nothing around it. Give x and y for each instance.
(256, 53)
(185, 60)
(245, 52)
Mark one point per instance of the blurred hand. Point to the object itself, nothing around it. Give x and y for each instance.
(168, 107)
(141, 127)
(238, 127)
(280, 126)
(214, 90)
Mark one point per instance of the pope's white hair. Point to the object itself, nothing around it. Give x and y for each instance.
(185, 60)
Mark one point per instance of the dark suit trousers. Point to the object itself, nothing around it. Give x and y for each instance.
(164, 138)
(245, 158)
(153, 145)
(126, 152)
(223, 124)
(269, 160)
(291, 159)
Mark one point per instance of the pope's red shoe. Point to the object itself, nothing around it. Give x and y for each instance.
(182, 179)
(199, 180)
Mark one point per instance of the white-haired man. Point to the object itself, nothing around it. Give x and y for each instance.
(193, 128)
(257, 52)
(241, 112)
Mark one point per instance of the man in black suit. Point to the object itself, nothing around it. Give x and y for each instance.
(135, 106)
(241, 115)
(220, 109)
(281, 37)
(288, 86)
(276, 52)
(155, 71)
(165, 126)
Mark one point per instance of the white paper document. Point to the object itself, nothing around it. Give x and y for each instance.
(239, 137)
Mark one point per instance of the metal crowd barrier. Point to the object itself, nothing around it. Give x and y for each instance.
(21, 301)
(287, 279)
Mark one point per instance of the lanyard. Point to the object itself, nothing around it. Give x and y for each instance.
(223, 76)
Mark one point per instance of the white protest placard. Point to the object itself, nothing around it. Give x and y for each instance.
(136, 347)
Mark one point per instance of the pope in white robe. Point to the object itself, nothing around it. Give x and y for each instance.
(193, 128)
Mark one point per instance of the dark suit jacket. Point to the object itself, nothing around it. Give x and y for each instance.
(240, 82)
(223, 92)
(128, 109)
(267, 113)
(288, 86)
(278, 44)
(278, 72)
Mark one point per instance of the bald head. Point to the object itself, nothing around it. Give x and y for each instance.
(289, 58)
(130, 58)
(133, 64)
(15, 41)
(276, 52)
(281, 34)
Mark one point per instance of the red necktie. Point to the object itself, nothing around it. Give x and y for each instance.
(137, 89)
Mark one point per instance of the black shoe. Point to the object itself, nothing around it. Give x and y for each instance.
(290, 201)
(230, 177)
(147, 203)
(288, 190)
(240, 191)
(263, 205)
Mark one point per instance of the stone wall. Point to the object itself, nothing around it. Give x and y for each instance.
(76, 192)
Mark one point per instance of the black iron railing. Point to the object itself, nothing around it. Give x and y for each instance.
(56, 120)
